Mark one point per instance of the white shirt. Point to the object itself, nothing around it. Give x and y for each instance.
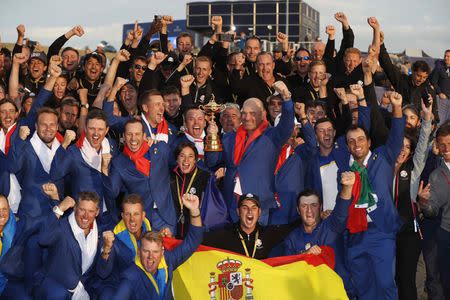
(328, 175)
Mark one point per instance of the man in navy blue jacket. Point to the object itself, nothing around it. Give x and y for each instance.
(73, 247)
(373, 220)
(144, 170)
(250, 154)
(151, 275)
(313, 232)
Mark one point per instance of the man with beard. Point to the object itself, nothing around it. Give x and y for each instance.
(248, 237)
(68, 115)
(73, 249)
(302, 60)
(144, 170)
(81, 163)
(125, 239)
(173, 106)
(92, 76)
(33, 159)
(150, 276)
(245, 150)
(258, 85)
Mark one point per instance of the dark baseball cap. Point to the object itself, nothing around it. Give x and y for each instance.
(250, 197)
(39, 55)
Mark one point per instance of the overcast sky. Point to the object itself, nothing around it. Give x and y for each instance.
(407, 24)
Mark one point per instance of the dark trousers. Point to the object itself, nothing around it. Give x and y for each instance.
(429, 251)
(409, 246)
(443, 241)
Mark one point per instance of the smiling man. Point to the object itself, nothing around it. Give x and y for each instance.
(150, 276)
(80, 164)
(144, 170)
(73, 248)
(121, 245)
(247, 236)
(313, 232)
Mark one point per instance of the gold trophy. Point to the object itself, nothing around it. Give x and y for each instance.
(212, 143)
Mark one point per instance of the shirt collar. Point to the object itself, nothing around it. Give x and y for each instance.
(366, 159)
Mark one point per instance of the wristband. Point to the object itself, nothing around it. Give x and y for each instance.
(195, 216)
(362, 99)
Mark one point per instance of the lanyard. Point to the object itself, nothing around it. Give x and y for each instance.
(245, 246)
(181, 192)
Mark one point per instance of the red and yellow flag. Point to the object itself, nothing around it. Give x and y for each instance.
(215, 274)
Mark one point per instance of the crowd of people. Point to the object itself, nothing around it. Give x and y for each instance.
(100, 162)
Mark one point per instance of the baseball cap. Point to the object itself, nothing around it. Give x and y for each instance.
(250, 197)
(39, 55)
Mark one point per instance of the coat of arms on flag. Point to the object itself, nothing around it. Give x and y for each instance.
(230, 282)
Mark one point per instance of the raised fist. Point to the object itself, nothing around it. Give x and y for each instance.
(348, 178)
(357, 90)
(50, 190)
(20, 30)
(68, 202)
(166, 20)
(186, 81)
(122, 55)
(55, 60)
(108, 239)
(78, 31)
(330, 30)
(20, 58)
(341, 94)
(186, 60)
(341, 17)
(216, 23)
(373, 22)
(69, 136)
(24, 132)
(299, 108)
(55, 71)
(283, 39)
(106, 160)
(158, 57)
(281, 88)
(396, 99)
(191, 201)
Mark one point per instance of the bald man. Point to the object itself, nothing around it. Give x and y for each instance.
(250, 154)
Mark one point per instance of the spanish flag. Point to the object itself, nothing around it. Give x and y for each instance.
(216, 274)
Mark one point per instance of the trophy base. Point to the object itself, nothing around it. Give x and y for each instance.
(213, 144)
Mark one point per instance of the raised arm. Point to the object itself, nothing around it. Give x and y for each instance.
(13, 86)
(56, 46)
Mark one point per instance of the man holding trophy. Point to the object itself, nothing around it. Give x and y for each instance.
(250, 154)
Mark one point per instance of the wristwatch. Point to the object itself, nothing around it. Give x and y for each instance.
(85, 105)
(57, 210)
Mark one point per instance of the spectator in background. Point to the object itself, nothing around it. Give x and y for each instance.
(440, 78)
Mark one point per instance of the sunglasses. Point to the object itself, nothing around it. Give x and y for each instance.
(300, 58)
(139, 67)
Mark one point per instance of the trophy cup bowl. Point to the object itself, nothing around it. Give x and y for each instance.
(212, 143)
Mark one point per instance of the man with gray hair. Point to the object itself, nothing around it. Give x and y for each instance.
(230, 118)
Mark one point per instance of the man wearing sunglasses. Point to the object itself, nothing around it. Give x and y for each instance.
(137, 70)
(302, 60)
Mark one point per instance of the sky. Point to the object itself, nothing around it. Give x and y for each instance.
(413, 24)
